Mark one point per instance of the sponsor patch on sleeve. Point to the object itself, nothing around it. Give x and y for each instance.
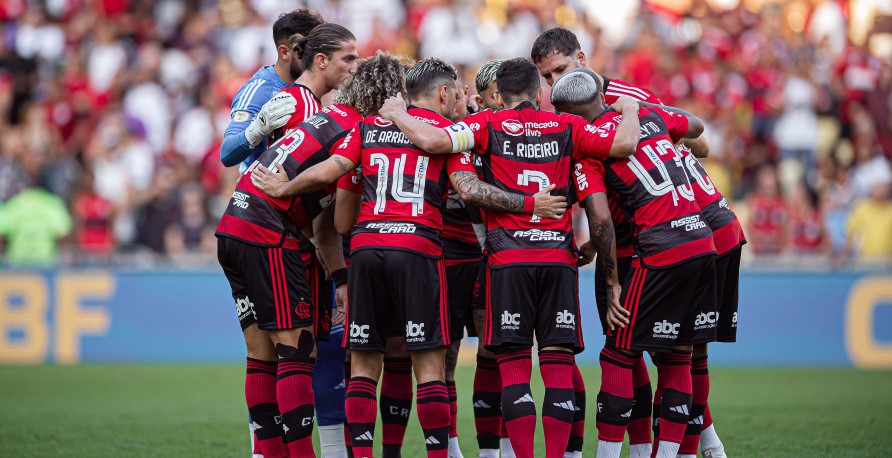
(241, 116)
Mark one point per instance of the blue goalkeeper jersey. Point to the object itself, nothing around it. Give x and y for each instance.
(245, 105)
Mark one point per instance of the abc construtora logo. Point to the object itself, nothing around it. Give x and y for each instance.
(512, 127)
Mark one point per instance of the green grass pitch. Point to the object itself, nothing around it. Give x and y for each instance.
(198, 410)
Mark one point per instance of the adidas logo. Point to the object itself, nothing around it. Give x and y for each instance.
(366, 436)
(682, 409)
(431, 441)
(627, 414)
(481, 405)
(524, 398)
(255, 426)
(285, 428)
(696, 421)
(566, 405)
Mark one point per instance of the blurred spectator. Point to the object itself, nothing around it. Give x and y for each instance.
(805, 225)
(870, 227)
(768, 214)
(31, 223)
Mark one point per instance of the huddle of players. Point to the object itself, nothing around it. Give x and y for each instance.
(516, 164)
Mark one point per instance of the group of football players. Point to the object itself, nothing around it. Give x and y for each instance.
(384, 210)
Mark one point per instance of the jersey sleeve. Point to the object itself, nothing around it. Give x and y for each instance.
(588, 177)
(460, 162)
(592, 140)
(306, 106)
(676, 124)
(352, 181)
(351, 146)
(245, 105)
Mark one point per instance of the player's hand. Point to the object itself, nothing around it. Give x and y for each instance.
(272, 115)
(548, 206)
(393, 107)
(340, 305)
(586, 254)
(625, 103)
(269, 181)
(617, 316)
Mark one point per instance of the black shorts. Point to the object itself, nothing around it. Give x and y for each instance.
(322, 294)
(269, 285)
(669, 307)
(525, 300)
(727, 277)
(478, 300)
(461, 280)
(623, 265)
(395, 292)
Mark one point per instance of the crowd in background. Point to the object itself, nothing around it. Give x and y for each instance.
(112, 111)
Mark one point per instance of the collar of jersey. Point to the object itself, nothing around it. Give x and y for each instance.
(524, 105)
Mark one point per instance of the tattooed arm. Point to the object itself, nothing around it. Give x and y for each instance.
(603, 240)
(483, 195)
(275, 184)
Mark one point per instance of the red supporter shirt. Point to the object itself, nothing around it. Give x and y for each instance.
(727, 233)
(402, 186)
(256, 218)
(655, 190)
(524, 150)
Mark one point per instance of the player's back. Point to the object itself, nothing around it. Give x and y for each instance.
(527, 150)
(655, 190)
(307, 105)
(402, 186)
(727, 233)
(257, 218)
(615, 88)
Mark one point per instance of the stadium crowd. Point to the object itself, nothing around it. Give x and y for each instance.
(112, 111)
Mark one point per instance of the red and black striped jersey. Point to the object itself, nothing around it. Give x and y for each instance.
(460, 242)
(523, 150)
(402, 186)
(588, 181)
(655, 190)
(256, 218)
(307, 105)
(727, 233)
(614, 89)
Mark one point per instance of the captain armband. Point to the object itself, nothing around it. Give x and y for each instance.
(461, 136)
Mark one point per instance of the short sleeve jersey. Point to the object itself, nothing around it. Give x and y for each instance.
(307, 105)
(655, 190)
(727, 233)
(254, 217)
(459, 239)
(402, 187)
(523, 150)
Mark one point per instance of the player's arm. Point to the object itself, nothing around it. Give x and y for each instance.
(695, 125)
(347, 205)
(275, 182)
(603, 241)
(331, 252)
(483, 195)
(628, 131)
(252, 120)
(434, 140)
(699, 146)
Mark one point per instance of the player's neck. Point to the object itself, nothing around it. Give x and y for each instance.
(282, 69)
(314, 82)
(427, 105)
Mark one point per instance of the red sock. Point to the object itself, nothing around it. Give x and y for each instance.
(700, 385)
(707, 417)
(260, 394)
(577, 431)
(433, 414)
(518, 406)
(675, 370)
(294, 390)
(346, 424)
(640, 423)
(615, 398)
(488, 403)
(658, 400)
(395, 403)
(559, 406)
(362, 411)
(453, 408)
